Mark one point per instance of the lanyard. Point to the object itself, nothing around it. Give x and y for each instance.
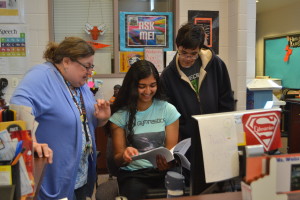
(78, 100)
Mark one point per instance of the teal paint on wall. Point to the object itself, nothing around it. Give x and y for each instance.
(275, 67)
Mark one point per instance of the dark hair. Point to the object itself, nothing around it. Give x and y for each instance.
(71, 47)
(128, 94)
(190, 36)
(117, 86)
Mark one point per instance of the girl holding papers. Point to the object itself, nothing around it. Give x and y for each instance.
(142, 120)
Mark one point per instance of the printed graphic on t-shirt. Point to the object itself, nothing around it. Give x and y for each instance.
(194, 80)
(193, 73)
(151, 121)
(147, 141)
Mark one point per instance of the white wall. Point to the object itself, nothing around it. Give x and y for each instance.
(237, 39)
(273, 23)
(108, 85)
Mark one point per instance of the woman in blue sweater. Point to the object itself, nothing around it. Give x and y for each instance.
(67, 114)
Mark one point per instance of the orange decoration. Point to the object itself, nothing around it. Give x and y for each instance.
(97, 45)
(288, 53)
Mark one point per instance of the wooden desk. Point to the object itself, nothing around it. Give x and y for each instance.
(39, 170)
(227, 195)
(216, 196)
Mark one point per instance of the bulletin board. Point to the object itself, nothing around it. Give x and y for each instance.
(282, 59)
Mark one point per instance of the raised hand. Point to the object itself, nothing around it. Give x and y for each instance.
(102, 111)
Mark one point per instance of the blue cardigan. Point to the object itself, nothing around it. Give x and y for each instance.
(44, 90)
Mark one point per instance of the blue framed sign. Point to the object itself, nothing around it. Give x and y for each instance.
(146, 29)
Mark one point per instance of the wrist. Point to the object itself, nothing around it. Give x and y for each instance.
(102, 122)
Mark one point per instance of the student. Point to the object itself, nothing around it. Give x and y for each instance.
(141, 121)
(67, 114)
(196, 81)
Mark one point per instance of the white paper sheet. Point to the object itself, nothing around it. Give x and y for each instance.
(219, 144)
(169, 56)
(156, 56)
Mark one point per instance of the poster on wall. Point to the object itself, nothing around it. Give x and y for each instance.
(294, 40)
(156, 56)
(13, 49)
(128, 58)
(146, 29)
(12, 11)
(209, 20)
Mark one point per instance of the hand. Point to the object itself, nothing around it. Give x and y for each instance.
(128, 153)
(162, 163)
(102, 110)
(42, 149)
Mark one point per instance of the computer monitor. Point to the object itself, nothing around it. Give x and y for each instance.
(221, 133)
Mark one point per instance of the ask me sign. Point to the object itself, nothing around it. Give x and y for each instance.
(145, 29)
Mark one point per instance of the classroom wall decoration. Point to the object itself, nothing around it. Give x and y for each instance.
(128, 58)
(209, 20)
(12, 11)
(156, 56)
(146, 29)
(282, 59)
(13, 49)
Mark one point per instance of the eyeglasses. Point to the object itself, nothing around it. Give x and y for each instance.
(187, 55)
(87, 68)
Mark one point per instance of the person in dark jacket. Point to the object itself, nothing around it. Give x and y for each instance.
(196, 82)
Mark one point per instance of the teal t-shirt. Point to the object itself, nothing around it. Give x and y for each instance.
(149, 130)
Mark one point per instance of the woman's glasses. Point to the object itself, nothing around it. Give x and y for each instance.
(87, 68)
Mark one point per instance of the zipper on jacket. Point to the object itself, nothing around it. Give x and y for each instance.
(200, 106)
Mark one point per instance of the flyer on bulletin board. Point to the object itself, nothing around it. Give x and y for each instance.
(13, 49)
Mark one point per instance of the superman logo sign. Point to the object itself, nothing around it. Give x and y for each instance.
(263, 128)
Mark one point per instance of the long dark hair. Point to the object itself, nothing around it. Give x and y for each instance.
(128, 94)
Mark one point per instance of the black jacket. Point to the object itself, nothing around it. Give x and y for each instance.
(215, 94)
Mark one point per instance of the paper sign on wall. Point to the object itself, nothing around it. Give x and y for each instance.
(156, 56)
